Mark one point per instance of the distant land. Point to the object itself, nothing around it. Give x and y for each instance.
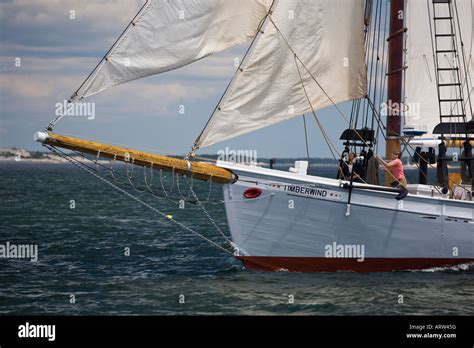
(13, 154)
(17, 154)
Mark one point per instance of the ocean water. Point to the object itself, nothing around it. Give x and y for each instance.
(169, 270)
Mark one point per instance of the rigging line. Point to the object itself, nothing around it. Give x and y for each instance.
(377, 117)
(96, 160)
(111, 168)
(457, 61)
(374, 34)
(404, 63)
(151, 177)
(469, 62)
(168, 198)
(172, 183)
(325, 136)
(214, 223)
(244, 59)
(53, 123)
(316, 81)
(455, 107)
(210, 190)
(136, 199)
(351, 119)
(168, 195)
(190, 186)
(433, 49)
(381, 124)
(126, 182)
(323, 132)
(463, 53)
(338, 109)
(409, 146)
(322, 89)
(353, 123)
(306, 137)
(148, 185)
(130, 176)
(180, 195)
(367, 36)
(358, 112)
(383, 71)
(377, 63)
(367, 17)
(150, 191)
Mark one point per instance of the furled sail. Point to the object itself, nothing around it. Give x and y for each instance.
(327, 36)
(166, 35)
(422, 110)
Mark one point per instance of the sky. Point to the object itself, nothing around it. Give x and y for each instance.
(57, 52)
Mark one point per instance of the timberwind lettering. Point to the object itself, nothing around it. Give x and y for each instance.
(307, 191)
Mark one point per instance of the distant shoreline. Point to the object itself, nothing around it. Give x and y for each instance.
(57, 160)
(11, 155)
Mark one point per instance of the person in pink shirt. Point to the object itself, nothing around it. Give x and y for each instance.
(395, 169)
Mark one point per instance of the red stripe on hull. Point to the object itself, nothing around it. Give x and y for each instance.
(322, 264)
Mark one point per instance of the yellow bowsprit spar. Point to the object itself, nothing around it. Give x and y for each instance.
(197, 170)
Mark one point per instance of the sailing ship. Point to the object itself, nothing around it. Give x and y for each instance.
(304, 56)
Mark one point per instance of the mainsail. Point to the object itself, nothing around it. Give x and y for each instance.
(421, 94)
(166, 35)
(321, 40)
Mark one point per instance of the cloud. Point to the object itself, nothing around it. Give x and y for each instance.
(57, 53)
(152, 100)
(47, 25)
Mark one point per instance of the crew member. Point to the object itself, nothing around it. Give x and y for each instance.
(353, 168)
(394, 168)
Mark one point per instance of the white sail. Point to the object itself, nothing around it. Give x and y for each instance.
(168, 34)
(328, 37)
(421, 93)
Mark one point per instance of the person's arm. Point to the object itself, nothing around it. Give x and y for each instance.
(345, 170)
(341, 172)
(385, 163)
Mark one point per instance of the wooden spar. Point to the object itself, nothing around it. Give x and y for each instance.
(395, 76)
(197, 170)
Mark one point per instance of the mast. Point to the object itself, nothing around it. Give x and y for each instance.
(395, 76)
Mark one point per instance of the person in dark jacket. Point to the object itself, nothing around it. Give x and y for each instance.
(353, 167)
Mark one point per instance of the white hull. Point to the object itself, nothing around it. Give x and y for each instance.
(289, 226)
